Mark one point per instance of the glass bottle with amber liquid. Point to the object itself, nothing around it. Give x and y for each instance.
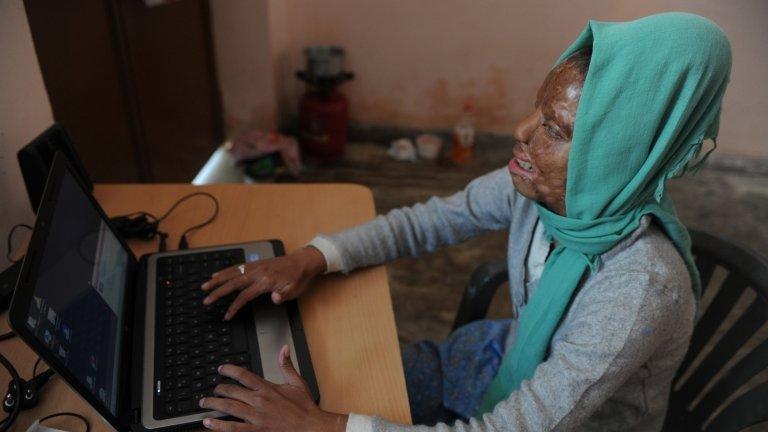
(464, 136)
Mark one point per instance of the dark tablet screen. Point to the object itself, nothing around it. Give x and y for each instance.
(77, 302)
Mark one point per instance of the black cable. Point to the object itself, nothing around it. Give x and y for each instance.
(163, 245)
(71, 414)
(145, 225)
(142, 213)
(183, 244)
(186, 197)
(10, 238)
(34, 369)
(139, 225)
(7, 422)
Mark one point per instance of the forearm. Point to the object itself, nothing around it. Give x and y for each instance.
(482, 206)
(400, 233)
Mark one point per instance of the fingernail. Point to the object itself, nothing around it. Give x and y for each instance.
(219, 368)
(207, 423)
(201, 402)
(227, 316)
(204, 286)
(206, 300)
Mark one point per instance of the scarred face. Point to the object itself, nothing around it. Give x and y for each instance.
(539, 164)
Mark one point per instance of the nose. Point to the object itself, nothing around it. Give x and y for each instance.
(524, 128)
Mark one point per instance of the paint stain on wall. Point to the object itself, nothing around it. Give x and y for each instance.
(439, 105)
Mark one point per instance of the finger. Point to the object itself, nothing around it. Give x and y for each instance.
(227, 406)
(244, 297)
(236, 392)
(245, 377)
(282, 293)
(221, 277)
(225, 426)
(231, 286)
(286, 366)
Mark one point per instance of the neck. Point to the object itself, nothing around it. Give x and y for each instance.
(556, 207)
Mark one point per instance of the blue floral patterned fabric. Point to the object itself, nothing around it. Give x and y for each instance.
(446, 381)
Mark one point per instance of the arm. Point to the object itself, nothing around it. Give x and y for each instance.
(597, 352)
(484, 205)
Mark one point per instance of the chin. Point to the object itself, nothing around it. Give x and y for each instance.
(524, 188)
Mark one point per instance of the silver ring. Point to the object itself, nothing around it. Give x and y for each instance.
(241, 267)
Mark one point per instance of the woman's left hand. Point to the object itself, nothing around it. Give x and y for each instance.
(268, 407)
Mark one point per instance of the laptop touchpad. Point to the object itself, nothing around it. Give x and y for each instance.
(273, 331)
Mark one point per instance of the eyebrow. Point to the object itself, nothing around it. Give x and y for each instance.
(549, 115)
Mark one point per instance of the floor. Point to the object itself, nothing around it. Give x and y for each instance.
(426, 291)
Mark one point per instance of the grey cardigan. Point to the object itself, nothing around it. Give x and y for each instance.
(616, 351)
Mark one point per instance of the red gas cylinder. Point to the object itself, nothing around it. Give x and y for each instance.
(323, 119)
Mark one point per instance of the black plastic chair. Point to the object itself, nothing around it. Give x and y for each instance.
(746, 271)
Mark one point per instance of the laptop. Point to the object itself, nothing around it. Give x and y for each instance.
(129, 335)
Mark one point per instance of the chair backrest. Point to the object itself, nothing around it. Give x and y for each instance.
(715, 343)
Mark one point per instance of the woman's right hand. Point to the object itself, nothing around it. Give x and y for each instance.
(286, 277)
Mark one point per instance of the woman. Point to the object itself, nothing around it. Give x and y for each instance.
(603, 282)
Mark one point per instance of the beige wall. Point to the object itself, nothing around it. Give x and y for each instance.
(244, 63)
(24, 111)
(416, 61)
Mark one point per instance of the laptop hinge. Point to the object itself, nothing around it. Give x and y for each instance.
(137, 352)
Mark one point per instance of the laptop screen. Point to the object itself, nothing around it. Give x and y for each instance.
(77, 302)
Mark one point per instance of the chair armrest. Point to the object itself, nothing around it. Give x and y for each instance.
(483, 282)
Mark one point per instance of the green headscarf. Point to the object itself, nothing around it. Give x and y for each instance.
(652, 95)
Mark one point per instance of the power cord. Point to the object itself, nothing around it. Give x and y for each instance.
(183, 243)
(141, 225)
(145, 225)
(70, 414)
(30, 390)
(15, 394)
(34, 369)
(9, 241)
(22, 394)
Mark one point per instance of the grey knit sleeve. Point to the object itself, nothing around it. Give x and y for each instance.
(484, 205)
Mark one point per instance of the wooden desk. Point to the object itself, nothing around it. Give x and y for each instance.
(348, 320)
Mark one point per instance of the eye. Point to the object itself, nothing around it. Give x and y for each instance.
(552, 130)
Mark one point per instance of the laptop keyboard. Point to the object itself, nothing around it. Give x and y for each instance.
(193, 340)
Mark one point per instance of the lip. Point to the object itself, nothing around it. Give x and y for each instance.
(516, 169)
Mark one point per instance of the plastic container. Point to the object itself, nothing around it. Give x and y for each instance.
(464, 136)
(428, 146)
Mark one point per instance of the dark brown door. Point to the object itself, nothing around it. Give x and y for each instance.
(135, 86)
